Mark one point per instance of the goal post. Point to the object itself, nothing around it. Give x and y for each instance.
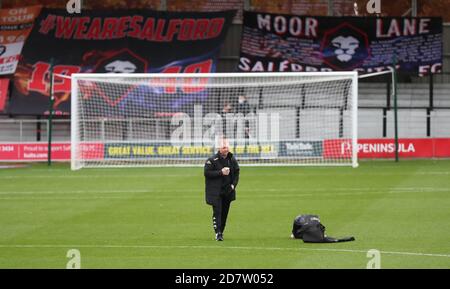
(293, 118)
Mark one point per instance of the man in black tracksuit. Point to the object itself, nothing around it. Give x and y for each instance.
(221, 178)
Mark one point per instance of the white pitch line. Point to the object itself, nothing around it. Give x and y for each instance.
(56, 177)
(140, 176)
(349, 190)
(154, 194)
(162, 196)
(224, 247)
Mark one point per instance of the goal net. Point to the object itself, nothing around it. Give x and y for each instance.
(177, 119)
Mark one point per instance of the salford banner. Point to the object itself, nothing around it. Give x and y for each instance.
(15, 26)
(112, 42)
(275, 42)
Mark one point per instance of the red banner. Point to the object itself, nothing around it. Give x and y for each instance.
(4, 84)
(385, 148)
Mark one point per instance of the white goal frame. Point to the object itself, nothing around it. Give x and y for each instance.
(351, 75)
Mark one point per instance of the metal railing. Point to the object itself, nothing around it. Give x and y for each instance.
(33, 130)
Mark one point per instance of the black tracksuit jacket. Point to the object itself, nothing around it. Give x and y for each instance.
(218, 186)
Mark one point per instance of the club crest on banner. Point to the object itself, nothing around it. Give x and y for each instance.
(345, 47)
(122, 61)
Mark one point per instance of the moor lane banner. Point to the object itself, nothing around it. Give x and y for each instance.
(120, 41)
(277, 42)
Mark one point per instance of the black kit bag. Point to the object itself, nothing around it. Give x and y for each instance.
(310, 230)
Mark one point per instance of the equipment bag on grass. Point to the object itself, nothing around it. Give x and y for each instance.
(310, 230)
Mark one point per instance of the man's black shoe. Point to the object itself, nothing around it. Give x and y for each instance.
(219, 237)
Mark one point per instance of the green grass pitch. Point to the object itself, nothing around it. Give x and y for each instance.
(157, 217)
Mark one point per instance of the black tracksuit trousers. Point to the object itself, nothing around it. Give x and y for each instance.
(220, 214)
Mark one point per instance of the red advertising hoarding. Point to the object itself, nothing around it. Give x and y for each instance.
(9, 152)
(442, 148)
(385, 148)
(367, 149)
(38, 151)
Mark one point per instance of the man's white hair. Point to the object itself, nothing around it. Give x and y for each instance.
(221, 141)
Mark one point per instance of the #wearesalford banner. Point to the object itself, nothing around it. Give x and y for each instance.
(276, 42)
(15, 26)
(112, 42)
